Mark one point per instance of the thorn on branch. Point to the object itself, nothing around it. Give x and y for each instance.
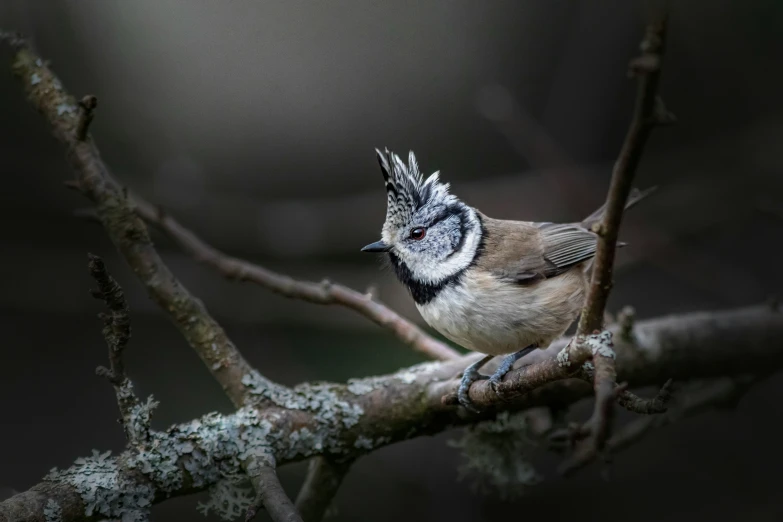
(87, 107)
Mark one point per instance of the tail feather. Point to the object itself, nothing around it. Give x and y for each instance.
(634, 197)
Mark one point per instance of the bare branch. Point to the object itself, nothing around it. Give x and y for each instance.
(126, 230)
(324, 476)
(647, 114)
(657, 404)
(269, 492)
(689, 403)
(324, 293)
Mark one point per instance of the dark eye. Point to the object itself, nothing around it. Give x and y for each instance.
(418, 233)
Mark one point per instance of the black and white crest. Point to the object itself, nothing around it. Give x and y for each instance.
(406, 189)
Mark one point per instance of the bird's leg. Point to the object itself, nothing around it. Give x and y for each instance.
(469, 376)
(507, 364)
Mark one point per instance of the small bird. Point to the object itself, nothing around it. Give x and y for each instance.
(492, 286)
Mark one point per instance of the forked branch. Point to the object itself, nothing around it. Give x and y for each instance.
(649, 111)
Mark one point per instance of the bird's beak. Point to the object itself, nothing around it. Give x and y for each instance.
(378, 246)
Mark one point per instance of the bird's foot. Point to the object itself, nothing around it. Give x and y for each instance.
(469, 376)
(505, 367)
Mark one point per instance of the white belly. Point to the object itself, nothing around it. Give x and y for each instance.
(488, 316)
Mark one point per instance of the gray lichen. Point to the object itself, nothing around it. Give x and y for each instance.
(65, 108)
(363, 442)
(601, 344)
(359, 387)
(562, 357)
(494, 453)
(331, 413)
(229, 498)
(409, 375)
(105, 490)
(52, 511)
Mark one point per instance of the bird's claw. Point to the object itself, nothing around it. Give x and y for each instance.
(463, 393)
(494, 383)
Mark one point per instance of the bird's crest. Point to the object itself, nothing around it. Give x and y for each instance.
(406, 189)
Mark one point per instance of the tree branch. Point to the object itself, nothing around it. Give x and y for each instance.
(135, 414)
(648, 112)
(700, 398)
(346, 420)
(269, 491)
(324, 293)
(126, 230)
(324, 476)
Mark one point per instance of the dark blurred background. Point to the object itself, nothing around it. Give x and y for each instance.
(254, 123)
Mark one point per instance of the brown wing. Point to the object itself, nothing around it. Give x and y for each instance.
(526, 252)
(566, 245)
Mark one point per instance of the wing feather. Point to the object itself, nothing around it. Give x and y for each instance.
(565, 245)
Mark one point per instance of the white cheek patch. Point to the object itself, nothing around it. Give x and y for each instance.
(427, 271)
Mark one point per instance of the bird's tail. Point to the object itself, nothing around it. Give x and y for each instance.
(634, 197)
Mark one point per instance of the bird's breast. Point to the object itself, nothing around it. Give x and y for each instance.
(489, 315)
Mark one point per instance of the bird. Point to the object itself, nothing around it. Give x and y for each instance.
(493, 286)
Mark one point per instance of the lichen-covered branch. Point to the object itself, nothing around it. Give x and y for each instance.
(346, 420)
(324, 293)
(116, 324)
(324, 476)
(135, 414)
(68, 122)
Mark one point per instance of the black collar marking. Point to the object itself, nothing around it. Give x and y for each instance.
(423, 293)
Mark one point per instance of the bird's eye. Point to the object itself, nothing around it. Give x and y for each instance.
(418, 233)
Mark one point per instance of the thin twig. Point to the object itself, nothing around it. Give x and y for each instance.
(648, 112)
(323, 479)
(117, 329)
(269, 492)
(725, 391)
(657, 404)
(324, 293)
(126, 230)
(135, 414)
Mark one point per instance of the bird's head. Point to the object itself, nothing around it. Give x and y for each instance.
(430, 235)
